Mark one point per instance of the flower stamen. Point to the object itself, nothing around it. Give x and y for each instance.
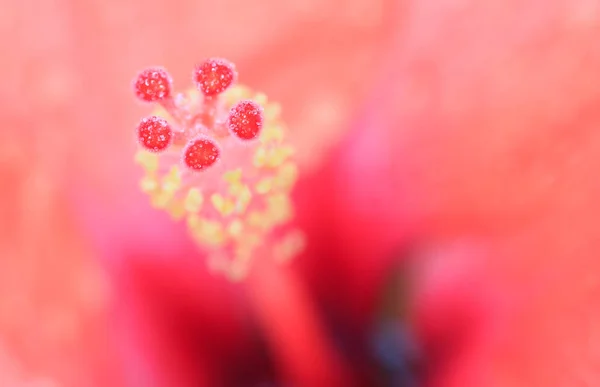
(226, 168)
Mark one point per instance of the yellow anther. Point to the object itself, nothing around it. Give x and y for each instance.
(210, 232)
(193, 222)
(272, 111)
(148, 160)
(271, 133)
(161, 199)
(148, 184)
(193, 200)
(233, 177)
(237, 189)
(172, 181)
(235, 228)
(261, 99)
(286, 176)
(272, 157)
(234, 94)
(176, 210)
(243, 199)
(258, 220)
(224, 206)
(264, 185)
(278, 155)
(260, 157)
(279, 208)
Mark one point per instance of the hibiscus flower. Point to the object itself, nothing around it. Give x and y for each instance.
(68, 150)
(477, 149)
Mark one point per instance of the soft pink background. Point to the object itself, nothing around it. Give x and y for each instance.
(477, 122)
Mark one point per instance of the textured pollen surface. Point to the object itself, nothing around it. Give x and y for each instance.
(153, 85)
(154, 133)
(245, 120)
(201, 153)
(214, 76)
(234, 196)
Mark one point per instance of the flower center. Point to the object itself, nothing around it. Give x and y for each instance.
(224, 166)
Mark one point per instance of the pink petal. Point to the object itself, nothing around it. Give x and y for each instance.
(484, 128)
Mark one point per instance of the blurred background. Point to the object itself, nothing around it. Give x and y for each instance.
(448, 153)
